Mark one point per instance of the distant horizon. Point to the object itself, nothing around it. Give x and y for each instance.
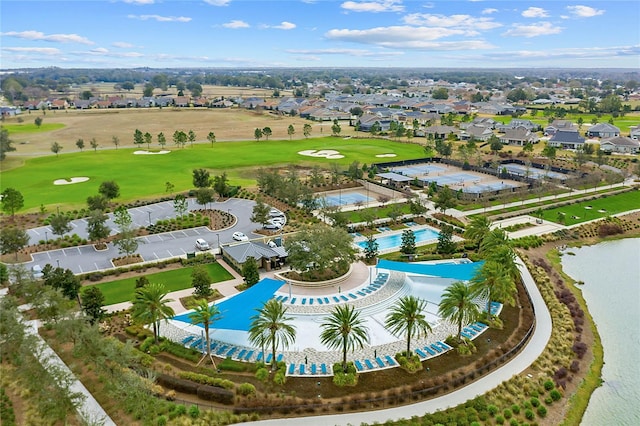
(269, 34)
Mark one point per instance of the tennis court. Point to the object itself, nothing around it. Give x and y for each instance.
(346, 199)
(418, 169)
(533, 172)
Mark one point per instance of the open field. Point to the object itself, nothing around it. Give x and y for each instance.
(141, 176)
(594, 209)
(176, 279)
(230, 124)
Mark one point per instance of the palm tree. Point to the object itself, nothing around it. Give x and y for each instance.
(493, 282)
(506, 256)
(493, 240)
(344, 329)
(478, 229)
(206, 315)
(271, 326)
(150, 305)
(457, 305)
(406, 316)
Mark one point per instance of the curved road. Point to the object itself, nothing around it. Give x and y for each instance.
(516, 365)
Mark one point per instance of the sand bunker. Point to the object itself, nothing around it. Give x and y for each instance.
(70, 181)
(385, 155)
(329, 154)
(151, 152)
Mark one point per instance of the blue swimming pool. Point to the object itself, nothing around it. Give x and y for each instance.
(238, 310)
(395, 240)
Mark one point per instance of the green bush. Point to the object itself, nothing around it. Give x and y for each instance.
(548, 385)
(230, 365)
(206, 380)
(534, 402)
(548, 400)
(507, 413)
(555, 395)
(194, 412)
(529, 414)
(161, 421)
(492, 409)
(513, 422)
(499, 419)
(262, 374)
(280, 378)
(246, 389)
(515, 408)
(542, 411)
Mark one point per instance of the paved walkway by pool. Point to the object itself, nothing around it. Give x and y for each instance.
(515, 366)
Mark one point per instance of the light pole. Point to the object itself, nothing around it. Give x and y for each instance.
(58, 262)
(149, 213)
(46, 238)
(219, 249)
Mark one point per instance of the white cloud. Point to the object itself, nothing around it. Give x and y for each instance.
(464, 23)
(160, 18)
(350, 52)
(587, 53)
(139, 1)
(122, 45)
(101, 51)
(489, 11)
(56, 38)
(218, 2)
(533, 30)
(284, 25)
(40, 50)
(235, 24)
(406, 37)
(374, 6)
(584, 11)
(535, 12)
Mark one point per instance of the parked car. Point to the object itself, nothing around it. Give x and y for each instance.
(272, 225)
(275, 213)
(239, 236)
(36, 272)
(202, 244)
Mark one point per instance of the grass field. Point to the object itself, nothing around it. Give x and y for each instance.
(141, 176)
(578, 213)
(178, 279)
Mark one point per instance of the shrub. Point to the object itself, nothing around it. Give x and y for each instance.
(548, 385)
(534, 402)
(499, 420)
(194, 412)
(213, 393)
(548, 400)
(280, 378)
(246, 389)
(513, 422)
(507, 413)
(555, 395)
(206, 380)
(262, 374)
(492, 409)
(515, 408)
(529, 414)
(161, 421)
(542, 411)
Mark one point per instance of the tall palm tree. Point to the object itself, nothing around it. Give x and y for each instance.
(206, 315)
(493, 282)
(150, 306)
(506, 256)
(494, 239)
(407, 316)
(344, 329)
(457, 305)
(271, 327)
(478, 229)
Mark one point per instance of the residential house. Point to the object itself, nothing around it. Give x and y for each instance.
(479, 133)
(558, 125)
(519, 136)
(566, 139)
(366, 122)
(603, 130)
(620, 145)
(634, 132)
(437, 132)
(517, 122)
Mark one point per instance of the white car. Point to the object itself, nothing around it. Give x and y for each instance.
(36, 272)
(275, 213)
(202, 244)
(239, 236)
(272, 225)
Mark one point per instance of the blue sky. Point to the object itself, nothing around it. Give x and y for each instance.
(319, 33)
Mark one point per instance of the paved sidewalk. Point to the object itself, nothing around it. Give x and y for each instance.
(516, 365)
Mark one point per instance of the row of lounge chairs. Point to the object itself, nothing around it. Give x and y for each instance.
(432, 350)
(308, 301)
(304, 369)
(378, 362)
(473, 330)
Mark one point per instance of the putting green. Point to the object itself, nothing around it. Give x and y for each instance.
(145, 176)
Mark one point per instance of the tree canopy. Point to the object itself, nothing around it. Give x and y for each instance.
(319, 247)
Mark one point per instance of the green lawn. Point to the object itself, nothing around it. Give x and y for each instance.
(141, 176)
(176, 279)
(577, 213)
(355, 216)
(31, 127)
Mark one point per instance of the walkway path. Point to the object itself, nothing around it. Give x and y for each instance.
(516, 365)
